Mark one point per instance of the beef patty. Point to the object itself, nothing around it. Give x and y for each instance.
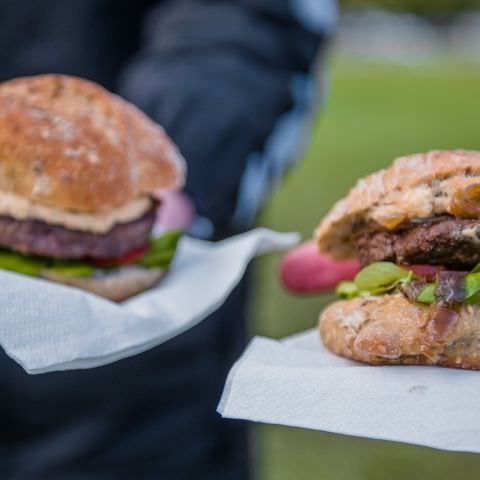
(39, 238)
(447, 241)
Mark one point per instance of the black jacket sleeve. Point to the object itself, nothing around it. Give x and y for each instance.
(216, 75)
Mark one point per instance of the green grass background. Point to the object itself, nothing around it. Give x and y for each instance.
(375, 112)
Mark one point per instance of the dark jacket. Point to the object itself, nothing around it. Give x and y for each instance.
(217, 75)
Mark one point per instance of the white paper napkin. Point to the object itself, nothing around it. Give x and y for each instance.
(47, 327)
(297, 382)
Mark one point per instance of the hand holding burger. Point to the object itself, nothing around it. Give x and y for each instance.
(307, 271)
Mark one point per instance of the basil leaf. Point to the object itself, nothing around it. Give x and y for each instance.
(347, 290)
(16, 262)
(474, 300)
(472, 284)
(476, 268)
(427, 295)
(387, 288)
(380, 277)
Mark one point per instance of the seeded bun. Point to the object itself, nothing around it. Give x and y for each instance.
(116, 285)
(391, 330)
(414, 187)
(69, 144)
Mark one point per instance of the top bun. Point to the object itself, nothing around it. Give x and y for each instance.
(414, 187)
(69, 144)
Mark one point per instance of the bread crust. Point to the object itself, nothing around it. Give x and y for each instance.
(391, 330)
(414, 187)
(116, 285)
(68, 143)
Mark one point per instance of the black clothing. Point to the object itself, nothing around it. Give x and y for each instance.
(216, 75)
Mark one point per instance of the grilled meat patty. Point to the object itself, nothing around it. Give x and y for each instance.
(447, 241)
(40, 238)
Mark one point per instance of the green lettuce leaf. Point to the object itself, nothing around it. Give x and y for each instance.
(162, 250)
(71, 268)
(16, 262)
(33, 266)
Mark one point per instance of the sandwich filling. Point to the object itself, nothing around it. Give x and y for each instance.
(431, 261)
(37, 248)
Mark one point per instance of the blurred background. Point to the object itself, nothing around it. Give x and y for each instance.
(405, 77)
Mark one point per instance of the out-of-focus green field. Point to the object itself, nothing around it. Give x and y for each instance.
(374, 114)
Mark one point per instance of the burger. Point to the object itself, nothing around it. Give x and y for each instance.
(415, 227)
(80, 171)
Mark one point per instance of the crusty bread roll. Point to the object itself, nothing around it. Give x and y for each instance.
(69, 144)
(412, 197)
(389, 329)
(116, 285)
(414, 187)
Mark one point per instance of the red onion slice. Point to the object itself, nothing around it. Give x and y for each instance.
(441, 323)
(451, 287)
(412, 289)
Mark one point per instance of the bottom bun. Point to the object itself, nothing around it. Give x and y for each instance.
(390, 329)
(117, 285)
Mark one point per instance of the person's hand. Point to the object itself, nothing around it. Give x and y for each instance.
(176, 211)
(304, 270)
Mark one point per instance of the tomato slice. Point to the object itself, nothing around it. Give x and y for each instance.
(427, 271)
(127, 259)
